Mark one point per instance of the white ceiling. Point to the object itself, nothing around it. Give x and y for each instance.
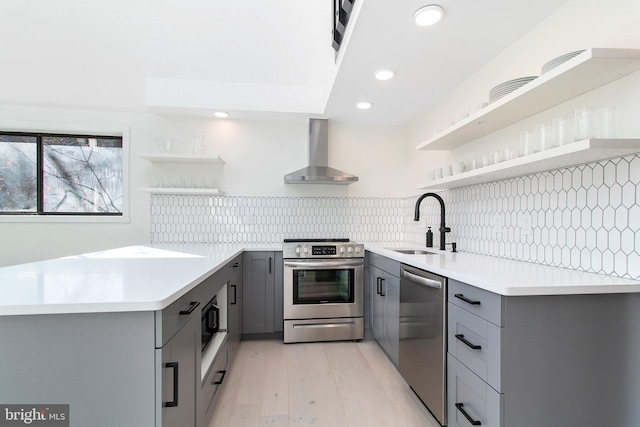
(266, 59)
(429, 61)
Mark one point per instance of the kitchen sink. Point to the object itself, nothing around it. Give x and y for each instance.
(412, 251)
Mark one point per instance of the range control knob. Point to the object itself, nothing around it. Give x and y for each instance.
(306, 250)
(341, 250)
(357, 249)
(298, 250)
(350, 249)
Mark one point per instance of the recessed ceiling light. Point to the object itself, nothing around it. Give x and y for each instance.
(364, 105)
(385, 74)
(428, 15)
(221, 114)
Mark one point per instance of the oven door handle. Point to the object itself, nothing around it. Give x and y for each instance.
(325, 264)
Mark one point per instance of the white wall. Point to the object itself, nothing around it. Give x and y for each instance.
(578, 24)
(582, 217)
(257, 155)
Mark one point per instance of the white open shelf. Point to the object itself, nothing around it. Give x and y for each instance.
(577, 153)
(586, 71)
(183, 191)
(183, 158)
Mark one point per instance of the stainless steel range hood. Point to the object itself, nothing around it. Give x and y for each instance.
(318, 171)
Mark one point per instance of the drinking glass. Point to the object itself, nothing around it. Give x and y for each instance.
(458, 167)
(198, 144)
(583, 121)
(561, 131)
(497, 157)
(542, 135)
(509, 153)
(472, 164)
(604, 117)
(525, 138)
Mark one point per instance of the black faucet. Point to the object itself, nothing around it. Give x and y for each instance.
(443, 228)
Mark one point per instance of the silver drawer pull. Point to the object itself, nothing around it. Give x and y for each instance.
(420, 280)
(322, 325)
(325, 263)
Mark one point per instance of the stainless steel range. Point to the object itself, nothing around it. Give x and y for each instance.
(323, 290)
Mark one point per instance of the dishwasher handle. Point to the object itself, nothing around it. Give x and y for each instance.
(415, 278)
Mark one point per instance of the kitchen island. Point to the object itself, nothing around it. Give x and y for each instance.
(84, 330)
(116, 335)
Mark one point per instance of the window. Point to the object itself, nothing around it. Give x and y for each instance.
(55, 174)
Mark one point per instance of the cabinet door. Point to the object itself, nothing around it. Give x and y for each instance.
(470, 399)
(234, 302)
(278, 314)
(258, 292)
(179, 375)
(392, 316)
(376, 282)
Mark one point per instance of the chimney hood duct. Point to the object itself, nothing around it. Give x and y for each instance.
(318, 171)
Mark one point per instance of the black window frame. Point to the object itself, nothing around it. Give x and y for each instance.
(40, 136)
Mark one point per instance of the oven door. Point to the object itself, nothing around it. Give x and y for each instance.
(323, 288)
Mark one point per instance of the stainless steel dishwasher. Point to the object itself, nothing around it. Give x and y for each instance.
(422, 357)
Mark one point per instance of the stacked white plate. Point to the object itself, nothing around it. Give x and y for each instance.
(507, 87)
(559, 60)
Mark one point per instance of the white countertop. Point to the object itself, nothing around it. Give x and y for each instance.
(508, 277)
(134, 278)
(149, 278)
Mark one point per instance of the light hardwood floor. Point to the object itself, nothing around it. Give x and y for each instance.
(321, 384)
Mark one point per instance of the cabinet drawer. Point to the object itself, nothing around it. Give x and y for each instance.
(477, 343)
(478, 301)
(215, 377)
(470, 398)
(389, 265)
(171, 319)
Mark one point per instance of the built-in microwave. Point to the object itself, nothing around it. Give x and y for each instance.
(210, 322)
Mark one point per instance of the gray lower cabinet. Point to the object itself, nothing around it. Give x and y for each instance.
(262, 292)
(234, 304)
(474, 360)
(531, 361)
(384, 289)
(138, 369)
(101, 364)
(178, 371)
(214, 372)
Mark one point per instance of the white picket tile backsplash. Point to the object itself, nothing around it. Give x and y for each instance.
(231, 219)
(584, 218)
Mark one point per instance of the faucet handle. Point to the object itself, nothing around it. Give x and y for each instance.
(445, 229)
